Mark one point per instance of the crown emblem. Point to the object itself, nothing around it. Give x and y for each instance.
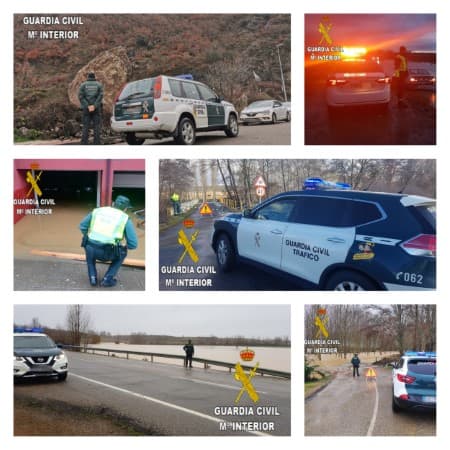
(247, 354)
(321, 311)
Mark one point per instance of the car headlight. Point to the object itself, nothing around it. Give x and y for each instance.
(62, 355)
(19, 358)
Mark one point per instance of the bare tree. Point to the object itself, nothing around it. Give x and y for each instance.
(78, 321)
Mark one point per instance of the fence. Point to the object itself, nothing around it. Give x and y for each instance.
(206, 362)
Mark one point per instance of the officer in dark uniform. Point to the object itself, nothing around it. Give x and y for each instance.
(189, 350)
(355, 363)
(90, 95)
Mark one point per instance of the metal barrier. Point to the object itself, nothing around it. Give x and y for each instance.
(206, 362)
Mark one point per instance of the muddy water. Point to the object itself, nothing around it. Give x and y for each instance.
(59, 232)
(276, 358)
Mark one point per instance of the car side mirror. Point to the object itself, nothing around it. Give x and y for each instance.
(247, 213)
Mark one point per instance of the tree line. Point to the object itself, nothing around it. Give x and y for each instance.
(375, 328)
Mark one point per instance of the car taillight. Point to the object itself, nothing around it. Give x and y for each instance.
(412, 80)
(384, 80)
(433, 80)
(422, 245)
(157, 87)
(404, 397)
(120, 92)
(335, 82)
(407, 379)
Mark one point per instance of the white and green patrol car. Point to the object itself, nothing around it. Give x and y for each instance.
(178, 107)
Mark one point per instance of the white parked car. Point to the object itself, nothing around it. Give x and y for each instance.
(357, 82)
(265, 111)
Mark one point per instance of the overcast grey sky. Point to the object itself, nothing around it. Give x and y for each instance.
(265, 321)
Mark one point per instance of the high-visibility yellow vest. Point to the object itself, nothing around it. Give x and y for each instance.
(107, 225)
(403, 65)
(175, 197)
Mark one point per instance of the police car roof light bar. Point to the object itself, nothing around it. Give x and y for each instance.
(185, 76)
(28, 330)
(315, 183)
(415, 353)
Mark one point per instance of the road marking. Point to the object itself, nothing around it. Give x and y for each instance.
(374, 414)
(225, 386)
(160, 402)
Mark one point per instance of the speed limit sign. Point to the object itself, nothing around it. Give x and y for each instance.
(260, 191)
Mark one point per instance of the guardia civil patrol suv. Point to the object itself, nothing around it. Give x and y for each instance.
(36, 355)
(175, 107)
(331, 237)
(414, 381)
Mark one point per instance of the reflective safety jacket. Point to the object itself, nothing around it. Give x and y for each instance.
(107, 225)
(401, 65)
(175, 197)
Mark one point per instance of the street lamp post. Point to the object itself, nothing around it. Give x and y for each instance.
(283, 86)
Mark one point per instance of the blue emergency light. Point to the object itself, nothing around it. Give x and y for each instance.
(185, 76)
(28, 330)
(316, 184)
(426, 354)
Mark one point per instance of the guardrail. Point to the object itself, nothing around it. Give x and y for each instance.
(206, 362)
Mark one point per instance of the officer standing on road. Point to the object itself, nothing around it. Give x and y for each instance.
(355, 363)
(175, 199)
(90, 95)
(400, 76)
(189, 350)
(103, 231)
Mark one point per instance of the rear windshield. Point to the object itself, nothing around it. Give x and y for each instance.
(138, 89)
(422, 366)
(357, 66)
(33, 342)
(428, 212)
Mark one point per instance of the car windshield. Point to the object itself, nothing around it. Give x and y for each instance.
(357, 67)
(261, 104)
(422, 366)
(33, 342)
(137, 88)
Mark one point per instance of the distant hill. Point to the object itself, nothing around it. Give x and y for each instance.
(224, 51)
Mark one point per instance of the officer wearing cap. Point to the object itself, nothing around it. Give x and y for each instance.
(90, 95)
(104, 231)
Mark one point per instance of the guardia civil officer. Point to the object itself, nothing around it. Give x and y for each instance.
(105, 231)
(400, 76)
(189, 350)
(90, 95)
(355, 363)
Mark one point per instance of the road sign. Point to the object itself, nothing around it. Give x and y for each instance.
(260, 191)
(205, 209)
(260, 182)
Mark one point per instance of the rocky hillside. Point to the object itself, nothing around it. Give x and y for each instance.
(222, 50)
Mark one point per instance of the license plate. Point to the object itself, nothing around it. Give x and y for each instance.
(44, 368)
(428, 399)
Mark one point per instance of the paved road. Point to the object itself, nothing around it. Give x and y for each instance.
(259, 134)
(169, 399)
(355, 407)
(243, 277)
(52, 274)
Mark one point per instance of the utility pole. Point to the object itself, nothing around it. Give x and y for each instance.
(283, 86)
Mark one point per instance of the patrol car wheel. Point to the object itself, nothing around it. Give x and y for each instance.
(186, 132)
(274, 118)
(225, 253)
(62, 376)
(133, 140)
(232, 129)
(349, 281)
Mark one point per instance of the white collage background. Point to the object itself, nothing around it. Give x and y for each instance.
(297, 149)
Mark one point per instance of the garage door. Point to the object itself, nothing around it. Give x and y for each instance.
(129, 180)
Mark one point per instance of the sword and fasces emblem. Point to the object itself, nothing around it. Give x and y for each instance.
(187, 244)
